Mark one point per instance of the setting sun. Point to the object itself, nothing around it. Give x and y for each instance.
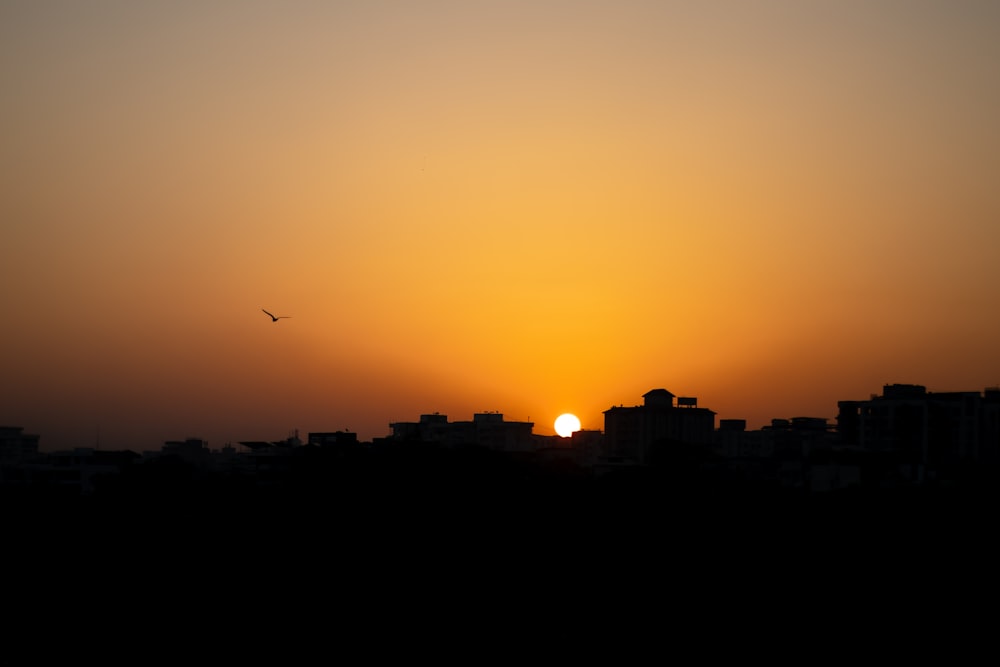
(566, 424)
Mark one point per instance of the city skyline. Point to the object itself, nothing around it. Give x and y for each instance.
(398, 425)
(525, 207)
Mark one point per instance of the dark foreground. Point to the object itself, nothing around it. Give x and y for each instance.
(422, 501)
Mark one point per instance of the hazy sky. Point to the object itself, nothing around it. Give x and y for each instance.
(529, 207)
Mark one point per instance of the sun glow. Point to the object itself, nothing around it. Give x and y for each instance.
(566, 424)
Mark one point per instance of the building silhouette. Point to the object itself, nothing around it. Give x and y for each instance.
(17, 446)
(487, 429)
(644, 433)
(801, 452)
(924, 434)
(67, 473)
(333, 439)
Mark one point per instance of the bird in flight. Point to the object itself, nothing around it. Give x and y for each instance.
(275, 318)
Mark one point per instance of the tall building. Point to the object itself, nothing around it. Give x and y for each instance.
(16, 446)
(645, 432)
(928, 431)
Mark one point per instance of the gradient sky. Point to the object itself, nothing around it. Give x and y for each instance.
(526, 207)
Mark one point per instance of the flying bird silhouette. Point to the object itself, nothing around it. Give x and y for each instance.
(275, 318)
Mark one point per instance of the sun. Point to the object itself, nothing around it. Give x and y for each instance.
(566, 424)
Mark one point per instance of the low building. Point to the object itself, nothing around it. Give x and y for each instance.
(70, 473)
(487, 429)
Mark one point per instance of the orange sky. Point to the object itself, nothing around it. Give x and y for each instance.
(528, 207)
